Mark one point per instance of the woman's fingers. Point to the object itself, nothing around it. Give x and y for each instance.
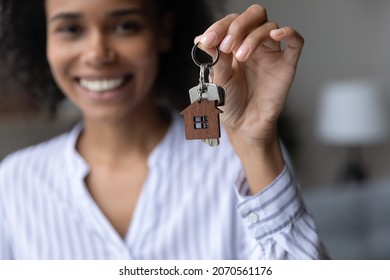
(213, 36)
(243, 25)
(294, 43)
(239, 36)
(259, 36)
(230, 32)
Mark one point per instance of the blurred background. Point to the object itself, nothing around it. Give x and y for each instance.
(336, 123)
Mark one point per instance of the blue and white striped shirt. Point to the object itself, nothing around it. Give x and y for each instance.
(194, 204)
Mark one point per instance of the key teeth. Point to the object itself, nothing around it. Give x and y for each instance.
(211, 142)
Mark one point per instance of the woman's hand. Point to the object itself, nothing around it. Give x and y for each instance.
(257, 74)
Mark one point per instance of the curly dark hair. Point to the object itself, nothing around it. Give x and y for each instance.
(23, 49)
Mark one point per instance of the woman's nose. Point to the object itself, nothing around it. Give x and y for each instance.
(98, 51)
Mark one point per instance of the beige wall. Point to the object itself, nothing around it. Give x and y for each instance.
(343, 39)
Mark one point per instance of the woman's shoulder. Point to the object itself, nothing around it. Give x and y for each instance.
(39, 155)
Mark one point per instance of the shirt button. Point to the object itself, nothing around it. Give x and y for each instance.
(253, 218)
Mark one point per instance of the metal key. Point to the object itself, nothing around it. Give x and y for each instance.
(212, 92)
(201, 118)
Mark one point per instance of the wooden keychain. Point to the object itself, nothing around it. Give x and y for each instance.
(201, 117)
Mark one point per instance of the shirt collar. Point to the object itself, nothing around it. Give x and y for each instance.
(79, 168)
(161, 153)
(76, 164)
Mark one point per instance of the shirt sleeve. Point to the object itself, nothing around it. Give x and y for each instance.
(5, 243)
(278, 220)
(5, 238)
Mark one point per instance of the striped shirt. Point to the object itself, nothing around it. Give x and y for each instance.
(195, 204)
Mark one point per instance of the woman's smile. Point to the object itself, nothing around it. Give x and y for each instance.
(102, 85)
(105, 88)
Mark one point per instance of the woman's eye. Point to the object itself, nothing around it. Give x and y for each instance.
(127, 27)
(70, 29)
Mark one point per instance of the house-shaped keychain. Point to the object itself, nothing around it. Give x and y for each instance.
(201, 120)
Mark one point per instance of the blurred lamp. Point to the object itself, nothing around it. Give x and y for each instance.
(352, 114)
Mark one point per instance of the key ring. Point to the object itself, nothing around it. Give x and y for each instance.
(208, 65)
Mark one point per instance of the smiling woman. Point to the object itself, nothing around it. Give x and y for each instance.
(105, 58)
(124, 182)
(25, 21)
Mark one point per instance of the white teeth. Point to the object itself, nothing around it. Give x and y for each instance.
(101, 85)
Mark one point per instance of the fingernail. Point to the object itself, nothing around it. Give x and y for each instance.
(242, 52)
(197, 39)
(226, 44)
(277, 32)
(209, 38)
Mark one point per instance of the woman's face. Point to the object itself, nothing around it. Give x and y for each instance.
(104, 54)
